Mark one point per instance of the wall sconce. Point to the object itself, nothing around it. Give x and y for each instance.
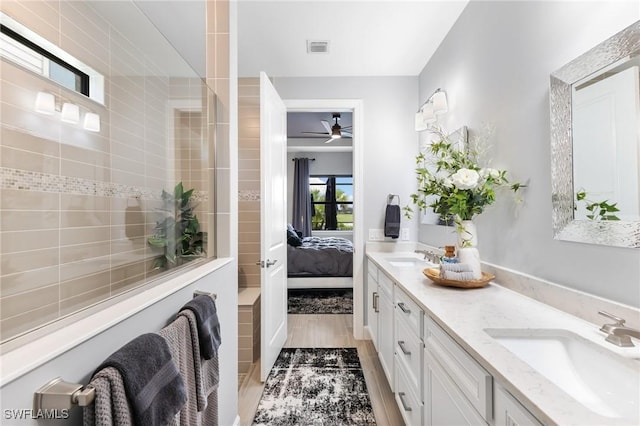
(92, 122)
(69, 112)
(435, 105)
(45, 103)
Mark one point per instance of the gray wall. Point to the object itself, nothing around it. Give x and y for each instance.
(389, 104)
(495, 65)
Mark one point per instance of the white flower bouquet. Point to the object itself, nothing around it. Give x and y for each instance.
(462, 186)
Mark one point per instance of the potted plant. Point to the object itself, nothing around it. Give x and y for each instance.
(178, 231)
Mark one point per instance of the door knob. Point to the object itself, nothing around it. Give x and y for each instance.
(271, 262)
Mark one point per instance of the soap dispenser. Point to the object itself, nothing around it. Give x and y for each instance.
(449, 255)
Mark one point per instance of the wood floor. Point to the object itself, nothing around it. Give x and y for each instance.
(327, 331)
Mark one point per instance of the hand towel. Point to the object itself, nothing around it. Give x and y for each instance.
(392, 221)
(459, 276)
(456, 267)
(206, 371)
(204, 308)
(110, 407)
(153, 385)
(181, 343)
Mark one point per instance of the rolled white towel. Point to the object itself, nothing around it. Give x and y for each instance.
(458, 276)
(456, 267)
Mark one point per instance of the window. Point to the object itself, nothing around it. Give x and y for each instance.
(331, 202)
(36, 54)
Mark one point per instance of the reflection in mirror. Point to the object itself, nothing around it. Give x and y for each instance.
(606, 119)
(595, 143)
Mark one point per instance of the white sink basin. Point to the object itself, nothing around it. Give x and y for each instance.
(604, 382)
(408, 261)
(404, 262)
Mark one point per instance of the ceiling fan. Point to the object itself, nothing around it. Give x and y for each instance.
(334, 132)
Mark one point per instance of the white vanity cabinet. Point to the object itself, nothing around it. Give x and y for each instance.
(373, 302)
(509, 412)
(458, 391)
(408, 348)
(385, 326)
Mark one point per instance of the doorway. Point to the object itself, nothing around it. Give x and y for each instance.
(354, 107)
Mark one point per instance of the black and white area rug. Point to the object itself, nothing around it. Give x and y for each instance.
(321, 301)
(315, 386)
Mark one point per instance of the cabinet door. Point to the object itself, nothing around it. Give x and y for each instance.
(385, 336)
(445, 404)
(509, 412)
(373, 304)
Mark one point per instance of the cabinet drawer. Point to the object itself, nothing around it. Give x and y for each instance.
(509, 412)
(473, 380)
(385, 284)
(373, 270)
(409, 310)
(408, 349)
(409, 404)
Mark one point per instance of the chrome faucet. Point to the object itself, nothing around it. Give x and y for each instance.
(618, 333)
(430, 256)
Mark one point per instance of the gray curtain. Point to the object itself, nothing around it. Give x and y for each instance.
(330, 209)
(301, 197)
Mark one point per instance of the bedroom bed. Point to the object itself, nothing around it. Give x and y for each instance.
(315, 262)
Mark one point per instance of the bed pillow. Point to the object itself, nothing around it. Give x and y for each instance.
(292, 237)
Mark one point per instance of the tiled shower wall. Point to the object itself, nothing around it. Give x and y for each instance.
(248, 182)
(76, 206)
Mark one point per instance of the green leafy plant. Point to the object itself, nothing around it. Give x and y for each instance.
(178, 231)
(600, 210)
(462, 187)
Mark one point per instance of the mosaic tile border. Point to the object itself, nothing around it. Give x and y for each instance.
(249, 195)
(26, 180)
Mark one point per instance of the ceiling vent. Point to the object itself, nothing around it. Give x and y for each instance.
(317, 46)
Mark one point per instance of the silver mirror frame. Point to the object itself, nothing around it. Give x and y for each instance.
(565, 227)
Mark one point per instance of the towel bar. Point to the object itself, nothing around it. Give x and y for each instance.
(205, 293)
(61, 395)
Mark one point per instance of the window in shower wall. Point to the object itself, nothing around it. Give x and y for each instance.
(88, 216)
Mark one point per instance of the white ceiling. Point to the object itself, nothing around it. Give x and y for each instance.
(367, 38)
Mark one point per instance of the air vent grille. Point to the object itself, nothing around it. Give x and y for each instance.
(317, 46)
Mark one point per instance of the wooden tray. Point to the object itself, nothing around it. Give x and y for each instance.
(434, 275)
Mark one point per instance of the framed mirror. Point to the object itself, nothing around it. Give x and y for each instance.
(595, 144)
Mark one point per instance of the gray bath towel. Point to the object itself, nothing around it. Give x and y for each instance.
(204, 308)
(154, 388)
(110, 407)
(180, 340)
(392, 221)
(207, 377)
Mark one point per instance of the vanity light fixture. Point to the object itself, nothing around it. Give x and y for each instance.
(70, 113)
(435, 105)
(45, 103)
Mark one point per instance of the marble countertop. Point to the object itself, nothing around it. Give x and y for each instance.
(465, 314)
